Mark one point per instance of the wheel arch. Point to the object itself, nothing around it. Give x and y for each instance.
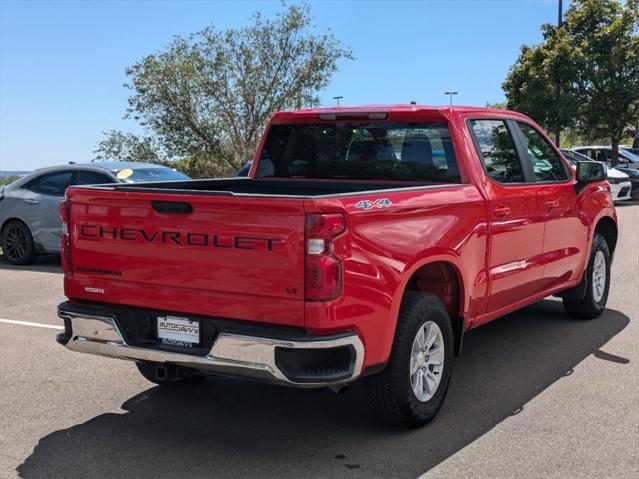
(14, 218)
(607, 227)
(441, 276)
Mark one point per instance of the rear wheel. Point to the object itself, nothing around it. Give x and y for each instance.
(597, 278)
(169, 374)
(411, 389)
(17, 243)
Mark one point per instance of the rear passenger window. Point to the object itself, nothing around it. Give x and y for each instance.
(546, 163)
(53, 184)
(497, 151)
(86, 177)
(604, 156)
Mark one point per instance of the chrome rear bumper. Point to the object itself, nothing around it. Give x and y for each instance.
(231, 354)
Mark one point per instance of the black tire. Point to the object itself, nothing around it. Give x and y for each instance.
(17, 243)
(589, 307)
(390, 391)
(170, 375)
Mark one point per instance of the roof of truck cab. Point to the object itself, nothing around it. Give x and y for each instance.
(407, 109)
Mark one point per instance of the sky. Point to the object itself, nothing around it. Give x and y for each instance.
(62, 63)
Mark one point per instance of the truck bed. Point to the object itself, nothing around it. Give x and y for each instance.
(304, 188)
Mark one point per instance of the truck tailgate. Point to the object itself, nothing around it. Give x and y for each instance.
(223, 256)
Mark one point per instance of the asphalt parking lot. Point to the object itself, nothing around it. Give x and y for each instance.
(534, 394)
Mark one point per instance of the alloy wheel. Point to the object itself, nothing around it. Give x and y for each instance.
(15, 243)
(427, 361)
(599, 276)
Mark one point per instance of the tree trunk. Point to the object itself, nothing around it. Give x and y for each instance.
(615, 151)
(557, 135)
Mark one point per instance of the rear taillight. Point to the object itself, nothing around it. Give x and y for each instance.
(65, 246)
(323, 269)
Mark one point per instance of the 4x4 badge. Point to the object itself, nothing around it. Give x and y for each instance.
(380, 203)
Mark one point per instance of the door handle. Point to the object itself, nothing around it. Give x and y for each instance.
(29, 201)
(552, 204)
(501, 211)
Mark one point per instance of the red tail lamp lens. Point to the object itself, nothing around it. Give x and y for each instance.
(323, 269)
(324, 226)
(65, 246)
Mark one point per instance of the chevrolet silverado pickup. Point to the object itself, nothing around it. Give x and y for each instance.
(363, 244)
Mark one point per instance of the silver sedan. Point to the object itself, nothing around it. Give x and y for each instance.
(30, 223)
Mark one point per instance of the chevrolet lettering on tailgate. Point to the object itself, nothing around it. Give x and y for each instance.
(178, 237)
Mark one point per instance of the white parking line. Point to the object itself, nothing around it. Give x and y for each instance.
(29, 323)
(16, 270)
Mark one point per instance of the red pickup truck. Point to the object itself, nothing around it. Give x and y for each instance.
(363, 244)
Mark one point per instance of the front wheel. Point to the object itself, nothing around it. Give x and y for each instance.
(410, 390)
(597, 278)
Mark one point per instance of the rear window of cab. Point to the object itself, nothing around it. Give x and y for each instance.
(350, 151)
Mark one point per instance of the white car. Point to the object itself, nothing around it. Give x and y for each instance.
(627, 163)
(620, 185)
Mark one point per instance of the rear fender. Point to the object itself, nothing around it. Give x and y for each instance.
(458, 321)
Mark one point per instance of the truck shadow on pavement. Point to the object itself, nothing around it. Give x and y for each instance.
(229, 428)
(47, 263)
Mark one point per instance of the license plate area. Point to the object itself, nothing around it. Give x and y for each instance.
(178, 331)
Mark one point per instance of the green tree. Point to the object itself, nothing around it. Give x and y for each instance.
(128, 147)
(605, 34)
(8, 180)
(585, 74)
(541, 84)
(207, 97)
(499, 104)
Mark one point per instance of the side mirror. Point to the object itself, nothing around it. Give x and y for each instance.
(590, 172)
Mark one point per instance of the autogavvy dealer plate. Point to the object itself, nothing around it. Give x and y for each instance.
(178, 330)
